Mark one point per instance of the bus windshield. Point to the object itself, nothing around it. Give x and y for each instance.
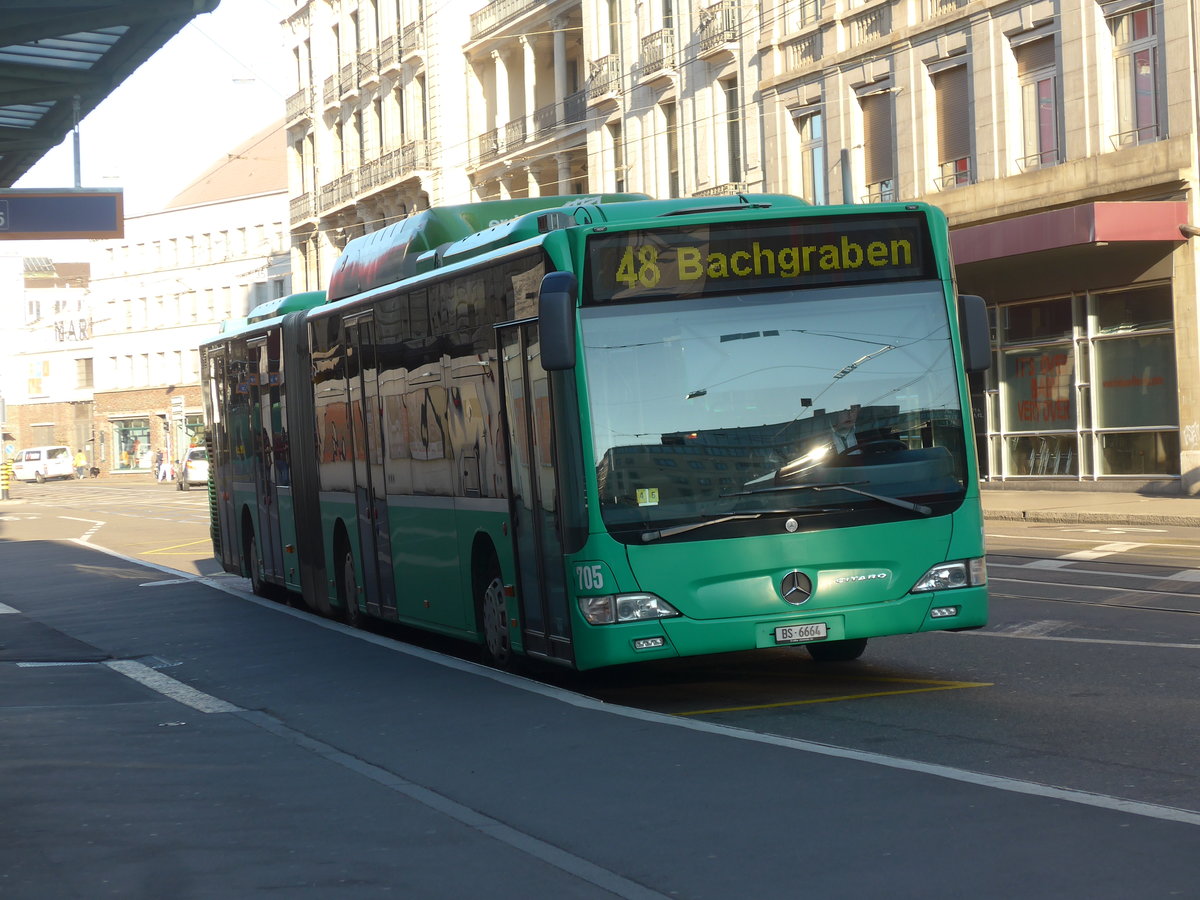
(816, 402)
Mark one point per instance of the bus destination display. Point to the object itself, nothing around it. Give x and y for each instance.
(757, 255)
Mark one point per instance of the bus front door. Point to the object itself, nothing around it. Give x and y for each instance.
(370, 494)
(541, 579)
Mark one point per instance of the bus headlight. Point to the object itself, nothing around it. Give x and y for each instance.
(613, 608)
(947, 576)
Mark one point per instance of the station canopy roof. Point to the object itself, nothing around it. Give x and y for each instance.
(56, 50)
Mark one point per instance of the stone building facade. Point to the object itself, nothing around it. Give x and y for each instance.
(1060, 138)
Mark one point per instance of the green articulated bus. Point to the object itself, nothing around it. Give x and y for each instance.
(598, 430)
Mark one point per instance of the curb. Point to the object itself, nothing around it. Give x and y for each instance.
(1092, 518)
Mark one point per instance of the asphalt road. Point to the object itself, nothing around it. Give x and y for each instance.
(166, 735)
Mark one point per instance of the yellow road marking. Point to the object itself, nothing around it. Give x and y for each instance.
(928, 686)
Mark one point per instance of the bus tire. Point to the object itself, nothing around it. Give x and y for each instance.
(837, 651)
(39, 477)
(258, 584)
(492, 611)
(348, 590)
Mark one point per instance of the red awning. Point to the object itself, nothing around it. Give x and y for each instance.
(1091, 223)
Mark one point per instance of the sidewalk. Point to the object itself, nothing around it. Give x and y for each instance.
(1097, 507)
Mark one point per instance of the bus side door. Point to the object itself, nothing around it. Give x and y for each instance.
(541, 575)
(224, 529)
(370, 487)
(270, 547)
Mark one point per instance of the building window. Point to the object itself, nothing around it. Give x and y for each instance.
(733, 129)
(670, 118)
(614, 27)
(801, 13)
(618, 156)
(810, 179)
(131, 440)
(1135, 52)
(953, 98)
(1037, 74)
(879, 162)
(83, 373)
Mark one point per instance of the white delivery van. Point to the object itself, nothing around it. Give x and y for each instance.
(39, 463)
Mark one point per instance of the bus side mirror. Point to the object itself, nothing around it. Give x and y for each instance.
(976, 337)
(556, 320)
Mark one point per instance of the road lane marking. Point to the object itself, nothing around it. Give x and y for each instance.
(1098, 587)
(1070, 640)
(1102, 551)
(87, 535)
(171, 687)
(6, 610)
(929, 687)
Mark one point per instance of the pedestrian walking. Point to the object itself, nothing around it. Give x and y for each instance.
(80, 463)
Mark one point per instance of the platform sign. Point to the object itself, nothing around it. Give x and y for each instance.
(61, 214)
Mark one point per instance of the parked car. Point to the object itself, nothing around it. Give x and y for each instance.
(193, 469)
(39, 463)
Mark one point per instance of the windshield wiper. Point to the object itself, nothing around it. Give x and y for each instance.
(648, 536)
(837, 486)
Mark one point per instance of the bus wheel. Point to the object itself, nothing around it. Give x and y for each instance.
(39, 477)
(258, 584)
(837, 651)
(493, 610)
(349, 591)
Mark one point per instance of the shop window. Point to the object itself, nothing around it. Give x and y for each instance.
(1039, 388)
(1137, 309)
(1054, 454)
(131, 438)
(1042, 321)
(1135, 378)
(1140, 453)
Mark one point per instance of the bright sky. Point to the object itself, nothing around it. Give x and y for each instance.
(223, 78)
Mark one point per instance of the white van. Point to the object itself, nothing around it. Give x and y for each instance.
(39, 463)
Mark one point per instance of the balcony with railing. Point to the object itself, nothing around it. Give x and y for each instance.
(941, 7)
(300, 208)
(604, 77)
(348, 80)
(720, 25)
(658, 53)
(871, 26)
(1146, 134)
(412, 39)
(954, 173)
(403, 162)
(1042, 160)
(337, 193)
(724, 190)
(880, 192)
(804, 52)
(389, 58)
(550, 118)
(497, 13)
(299, 105)
(368, 66)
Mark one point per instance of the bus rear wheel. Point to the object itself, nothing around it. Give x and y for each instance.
(258, 584)
(349, 590)
(493, 612)
(837, 651)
